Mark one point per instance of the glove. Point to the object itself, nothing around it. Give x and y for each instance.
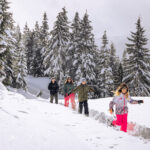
(66, 95)
(69, 93)
(140, 101)
(111, 110)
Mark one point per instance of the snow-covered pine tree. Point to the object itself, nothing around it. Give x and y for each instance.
(44, 39)
(28, 47)
(6, 44)
(3, 33)
(2, 43)
(8, 68)
(73, 53)
(136, 70)
(20, 66)
(84, 56)
(124, 57)
(96, 56)
(105, 71)
(124, 62)
(56, 57)
(120, 74)
(114, 64)
(114, 59)
(37, 61)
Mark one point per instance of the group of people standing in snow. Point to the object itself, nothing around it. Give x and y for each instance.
(120, 100)
(69, 93)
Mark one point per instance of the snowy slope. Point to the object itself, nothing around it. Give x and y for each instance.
(35, 124)
(137, 113)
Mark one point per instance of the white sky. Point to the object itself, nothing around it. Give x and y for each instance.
(118, 17)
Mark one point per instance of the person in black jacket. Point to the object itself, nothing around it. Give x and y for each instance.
(53, 88)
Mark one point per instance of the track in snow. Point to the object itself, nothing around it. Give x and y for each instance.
(139, 131)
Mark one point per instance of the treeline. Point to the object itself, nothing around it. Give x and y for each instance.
(69, 49)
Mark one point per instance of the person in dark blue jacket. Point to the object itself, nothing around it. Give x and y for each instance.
(53, 87)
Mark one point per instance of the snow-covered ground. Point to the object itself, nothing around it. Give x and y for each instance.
(137, 113)
(37, 85)
(30, 123)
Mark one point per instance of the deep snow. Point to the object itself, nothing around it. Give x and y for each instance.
(35, 124)
(137, 113)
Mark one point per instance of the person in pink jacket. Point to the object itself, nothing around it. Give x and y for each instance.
(122, 97)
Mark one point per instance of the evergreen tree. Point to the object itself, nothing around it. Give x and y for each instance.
(19, 62)
(105, 71)
(6, 46)
(114, 64)
(44, 29)
(37, 62)
(120, 75)
(3, 45)
(73, 50)
(28, 47)
(84, 57)
(137, 65)
(8, 68)
(55, 61)
(124, 57)
(44, 39)
(124, 61)
(96, 84)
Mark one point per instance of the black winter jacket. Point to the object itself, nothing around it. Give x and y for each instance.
(53, 87)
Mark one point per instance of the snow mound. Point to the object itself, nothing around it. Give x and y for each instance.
(139, 130)
(30, 124)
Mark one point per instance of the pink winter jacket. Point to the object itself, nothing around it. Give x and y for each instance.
(121, 103)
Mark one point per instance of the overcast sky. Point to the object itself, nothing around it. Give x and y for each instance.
(118, 17)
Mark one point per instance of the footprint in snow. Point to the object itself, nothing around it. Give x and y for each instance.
(5, 111)
(88, 139)
(24, 112)
(15, 116)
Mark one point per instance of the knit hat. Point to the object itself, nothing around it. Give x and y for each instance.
(69, 77)
(53, 78)
(83, 80)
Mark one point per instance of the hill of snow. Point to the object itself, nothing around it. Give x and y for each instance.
(31, 123)
(137, 113)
